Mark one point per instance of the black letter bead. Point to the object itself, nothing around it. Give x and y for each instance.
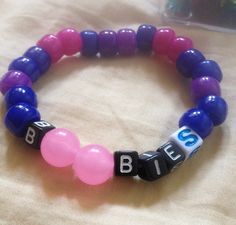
(173, 155)
(126, 163)
(152, 165)
(36, 132)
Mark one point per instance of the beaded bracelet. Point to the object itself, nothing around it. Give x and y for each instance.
(94, 164)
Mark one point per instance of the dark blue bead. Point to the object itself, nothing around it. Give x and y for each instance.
(197, 120)
(40, 56)
(188, 60)
(145, 35)
(20, 94)
(89, 43)
(208, 68)
(215, 107)
(27, 66)
(19, 116)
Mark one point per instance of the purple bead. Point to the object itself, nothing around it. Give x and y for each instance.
(126, 39)
(204, 86)
(13, 78)
(107, 40)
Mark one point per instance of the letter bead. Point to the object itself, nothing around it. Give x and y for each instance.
(152, 166)
(173, 155)
(188, 140)
(126, 163)
(36, 132)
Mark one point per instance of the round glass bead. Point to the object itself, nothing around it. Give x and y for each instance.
(188, 60)
(162, 40)
(40, 56)
(204, 86)
(215, 107)
(59, 147)
(89, 43)
(70, 40)
(208, 68)
(197, 120)
(53, 46)
(145, 35)
(20, 94)
(107, 42)
(27, 66)
(13, 78)
(19, 116)
(177, 46)
(126, 39)
(94, 164)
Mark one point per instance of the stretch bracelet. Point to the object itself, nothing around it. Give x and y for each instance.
(94, 164)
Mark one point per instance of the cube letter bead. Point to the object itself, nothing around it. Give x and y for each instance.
(152, 165)
(36, 132)
(173, 155)
(126, 163)
(188, 140)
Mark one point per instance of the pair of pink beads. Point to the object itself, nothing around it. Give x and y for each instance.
(92, 164)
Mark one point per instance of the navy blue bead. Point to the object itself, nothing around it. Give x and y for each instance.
(207, 68)
(145, 35)
(89, 43)
(197, 120)
(19, 116)
(40, 56)
(188, 60)
(27, 66)
(20, 94)
(215, 107)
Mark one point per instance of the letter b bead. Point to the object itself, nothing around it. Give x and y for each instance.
(126, 163)
(36, 132)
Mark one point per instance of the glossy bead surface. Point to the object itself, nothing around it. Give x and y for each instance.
(126, 163)
(20, 94)
(162, 40)
(215, 107)
(94, 164)
(177, 46)
(126, 40)
(36, 131)
(27, 66)
(187, 140)
(204, 86)
(70, 40)
(53, 46)
(14, 78)
(40, 56)
(107, 43)
(19, 116)
(197, 120)
(208, 68)
(188, 60)
(59, 147)
(152, 166)
(145, 35)
(89, 43)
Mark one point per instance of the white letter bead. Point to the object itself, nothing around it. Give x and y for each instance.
(188, 140)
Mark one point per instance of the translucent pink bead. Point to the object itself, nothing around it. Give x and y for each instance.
(177, 46)
(59, 147)
(162, 40)
(52, 45)
(94, 164)
(71, 41)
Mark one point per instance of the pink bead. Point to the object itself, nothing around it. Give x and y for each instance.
(162, 40)
(179, 45)
(52, 45)
(71, 41)
(94, 164)
(59, 147)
